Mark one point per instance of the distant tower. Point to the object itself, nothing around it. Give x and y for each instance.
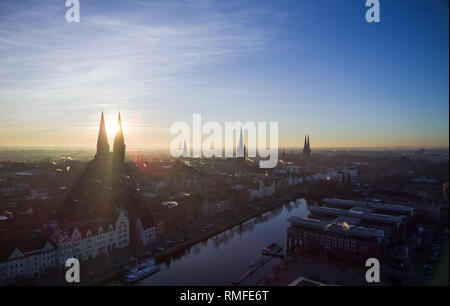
(119, 144)
(306, 148)
(309, 148)
(240, 152)
(185, 150)
(102, 141)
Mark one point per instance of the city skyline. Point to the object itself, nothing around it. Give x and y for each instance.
(112, 127)
(249, 145)
(317, 68)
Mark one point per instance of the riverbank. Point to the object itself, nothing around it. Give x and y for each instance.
(222, 228)
(116, 273)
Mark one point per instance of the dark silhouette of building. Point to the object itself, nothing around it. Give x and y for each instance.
(102, 141)
(119, 145)
(103, 153)
(241, 149)
(306, 148)
(345, 241)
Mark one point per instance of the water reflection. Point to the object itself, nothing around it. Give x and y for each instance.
(222, 259)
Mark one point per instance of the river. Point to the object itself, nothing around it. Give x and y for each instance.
(224, 258)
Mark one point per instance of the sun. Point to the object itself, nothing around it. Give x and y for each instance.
(111, 127)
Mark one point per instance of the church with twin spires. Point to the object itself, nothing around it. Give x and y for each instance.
(118, 153)
(306, 147)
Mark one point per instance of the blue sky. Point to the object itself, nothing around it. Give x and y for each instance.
(315, 66)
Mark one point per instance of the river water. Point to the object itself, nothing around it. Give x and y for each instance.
(224, 258)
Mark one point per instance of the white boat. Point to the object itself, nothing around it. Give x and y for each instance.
(140, 271)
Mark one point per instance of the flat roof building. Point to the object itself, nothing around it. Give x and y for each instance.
(393, 226)
(341, 238)
(377, 207)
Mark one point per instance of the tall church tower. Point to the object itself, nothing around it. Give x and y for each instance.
(119, 144)
(102, 141)
(241, 149)
(306, 148)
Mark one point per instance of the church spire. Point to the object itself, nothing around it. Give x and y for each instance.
(119, 134)
(185, 150)
(241, 148)
(119, 143)
(102, 140)
(306, 148)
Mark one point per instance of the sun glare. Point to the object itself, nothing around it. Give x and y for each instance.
(111, 127)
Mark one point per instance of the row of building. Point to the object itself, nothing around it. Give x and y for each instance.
(350, 230)
(28, 255)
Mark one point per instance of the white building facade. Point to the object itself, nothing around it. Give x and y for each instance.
(26, 264)
(90, 240)
(145, 233)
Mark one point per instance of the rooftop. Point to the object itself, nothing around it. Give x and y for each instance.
(337, 228)
(356, 212)
(379, 206)
(347, 220)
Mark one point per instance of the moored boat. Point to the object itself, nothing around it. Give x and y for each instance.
(140, 271)
(274, 249)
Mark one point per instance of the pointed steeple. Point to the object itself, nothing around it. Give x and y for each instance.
(102, 140)
(118, 139)
(241, 148)
(119, 143)
(306, 148)
(185, 150)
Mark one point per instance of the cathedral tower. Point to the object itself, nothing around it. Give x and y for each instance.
(102, 141)
(306, 148)
(119, 144)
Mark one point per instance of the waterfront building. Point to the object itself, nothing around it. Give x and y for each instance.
(146, 230)
(257, 189)
(341, 239)
(25, 256)
(378, 207)
(394, 227)
(88, 239)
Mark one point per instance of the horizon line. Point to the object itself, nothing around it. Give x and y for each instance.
(279, 147)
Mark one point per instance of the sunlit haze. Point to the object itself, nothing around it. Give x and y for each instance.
(250, 145)
(313, 66)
